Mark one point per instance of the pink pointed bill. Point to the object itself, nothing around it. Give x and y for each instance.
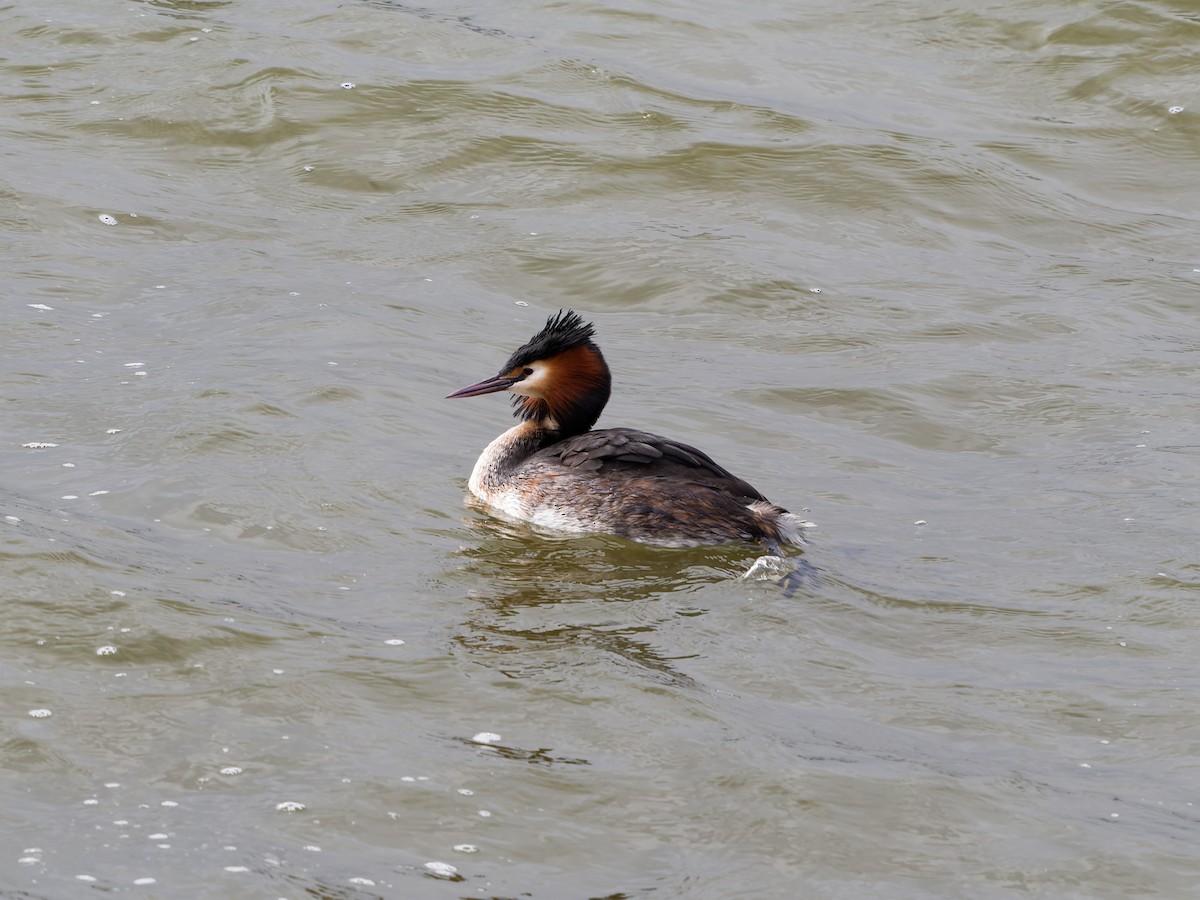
(499, 383)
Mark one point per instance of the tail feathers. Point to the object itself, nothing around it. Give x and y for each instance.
(778, 526)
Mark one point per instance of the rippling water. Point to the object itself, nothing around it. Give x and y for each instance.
(927, 272)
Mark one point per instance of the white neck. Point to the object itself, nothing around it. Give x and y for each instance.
(503, 455)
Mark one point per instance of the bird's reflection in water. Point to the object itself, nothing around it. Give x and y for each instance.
(555, 601)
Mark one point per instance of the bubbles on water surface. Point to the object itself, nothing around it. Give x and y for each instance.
(441, 869)
(106, 219)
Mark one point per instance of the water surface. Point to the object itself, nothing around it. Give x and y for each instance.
(926, 273)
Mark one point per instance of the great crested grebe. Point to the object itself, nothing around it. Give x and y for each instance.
(554, 471)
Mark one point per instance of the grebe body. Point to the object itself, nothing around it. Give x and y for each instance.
(554, 471)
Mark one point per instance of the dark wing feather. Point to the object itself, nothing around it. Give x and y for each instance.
(615, 449)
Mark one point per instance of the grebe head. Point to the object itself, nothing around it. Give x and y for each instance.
(559, 376)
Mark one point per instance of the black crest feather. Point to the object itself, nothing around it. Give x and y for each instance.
(563, 332)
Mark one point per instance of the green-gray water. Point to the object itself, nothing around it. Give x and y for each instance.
(927, 271)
